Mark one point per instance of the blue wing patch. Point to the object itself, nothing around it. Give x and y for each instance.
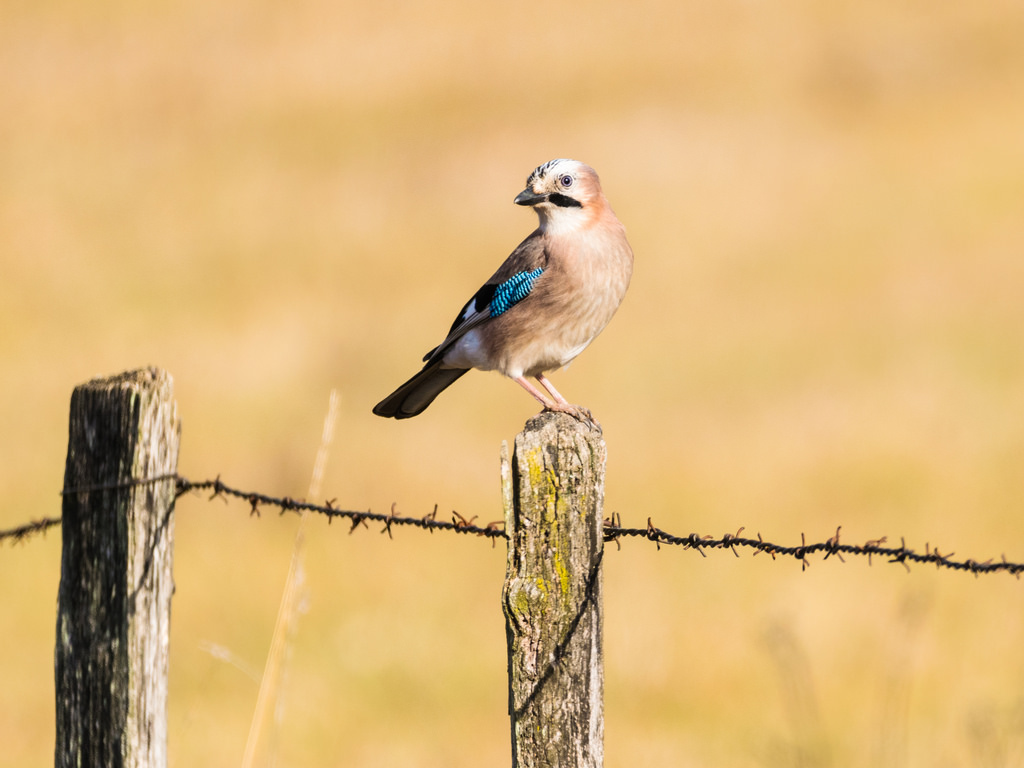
(512, 291)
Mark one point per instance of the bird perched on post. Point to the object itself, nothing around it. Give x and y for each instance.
(553, 295)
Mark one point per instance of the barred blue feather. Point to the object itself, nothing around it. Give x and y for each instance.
(512, 291)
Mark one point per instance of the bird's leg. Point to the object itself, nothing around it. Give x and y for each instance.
(544, 382)
(537, 394)
(560, 405)
(581, 413)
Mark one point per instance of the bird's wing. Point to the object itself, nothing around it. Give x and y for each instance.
(507, 287)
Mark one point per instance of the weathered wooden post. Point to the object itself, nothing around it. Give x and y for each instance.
(554, 494)
(114, 601)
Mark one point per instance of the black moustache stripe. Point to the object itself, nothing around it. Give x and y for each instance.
(564, 201)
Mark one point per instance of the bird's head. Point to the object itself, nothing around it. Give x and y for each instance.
(563, 189)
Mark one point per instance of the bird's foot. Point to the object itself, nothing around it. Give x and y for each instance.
(578, 412)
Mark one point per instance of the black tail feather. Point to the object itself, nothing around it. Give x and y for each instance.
(413, 397)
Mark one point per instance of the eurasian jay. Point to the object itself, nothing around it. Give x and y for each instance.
(553, 295)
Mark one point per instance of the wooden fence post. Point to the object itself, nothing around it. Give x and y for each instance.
(114, 601)
(554, 493)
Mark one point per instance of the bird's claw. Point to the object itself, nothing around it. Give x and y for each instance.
(578, 412)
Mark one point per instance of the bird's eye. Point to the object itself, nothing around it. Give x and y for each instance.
(566, 180)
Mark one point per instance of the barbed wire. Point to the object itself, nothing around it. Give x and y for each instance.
(22, 532)
(458, 523)
(614, 531)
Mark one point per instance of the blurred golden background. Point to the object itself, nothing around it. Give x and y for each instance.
(825, 327)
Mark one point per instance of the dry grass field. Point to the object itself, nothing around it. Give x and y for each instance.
(825, 327)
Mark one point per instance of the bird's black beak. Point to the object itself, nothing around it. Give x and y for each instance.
(529, 197)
